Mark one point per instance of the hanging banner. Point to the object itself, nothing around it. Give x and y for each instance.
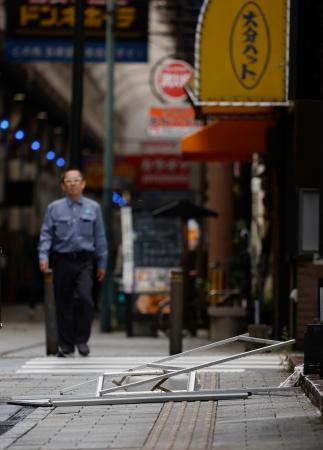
(38, 30)
(242, 53)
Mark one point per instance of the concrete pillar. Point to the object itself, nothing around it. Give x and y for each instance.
(220, 198)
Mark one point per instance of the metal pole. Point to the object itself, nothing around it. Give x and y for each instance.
(50, 315)
(133, 398)
(108, 283)
(1, 251)
(320, 302)
(176, 313)
(77, 86)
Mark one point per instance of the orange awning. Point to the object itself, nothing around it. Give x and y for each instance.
(229, 140)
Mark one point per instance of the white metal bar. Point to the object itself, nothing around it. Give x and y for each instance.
(70, 388)
(134, 373)
(191, 381)
(193, 350)
(99, 386)
(187, 352)
(112, 374)
(201, 366)
(171, 357)
(152, 398)
(197, 349)
(253, 390)
(166, 368)
(117, 400)
(257, 340)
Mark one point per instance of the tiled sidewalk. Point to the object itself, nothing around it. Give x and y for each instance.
(268, 421)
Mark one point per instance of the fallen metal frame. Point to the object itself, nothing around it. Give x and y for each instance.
(158, 374)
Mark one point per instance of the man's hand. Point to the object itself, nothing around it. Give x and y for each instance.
(100, 274)
(43, 265)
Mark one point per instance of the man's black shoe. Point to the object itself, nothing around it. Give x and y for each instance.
(83, 349)
(64, 354)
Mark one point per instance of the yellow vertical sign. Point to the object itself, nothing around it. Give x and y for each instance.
(242, 52)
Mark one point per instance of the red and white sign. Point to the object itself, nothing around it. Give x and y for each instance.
(156, 171)
(141, 172)
(160, 172)
(174, 121)
(170, 78)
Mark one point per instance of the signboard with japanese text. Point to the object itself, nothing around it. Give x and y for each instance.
(169, 79)
(242, 53)
(141, 172)
(175, 121)
(42, 30)
(164, 173)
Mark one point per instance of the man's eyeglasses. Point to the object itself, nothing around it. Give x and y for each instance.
(72, 180)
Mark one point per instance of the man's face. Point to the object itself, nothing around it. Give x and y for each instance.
(73, 184)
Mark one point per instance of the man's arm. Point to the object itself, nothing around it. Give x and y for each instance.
(45, 241)
(100, 244)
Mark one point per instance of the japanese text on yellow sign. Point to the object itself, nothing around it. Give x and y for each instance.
(56, 16)
(242, 51)
(55, 19)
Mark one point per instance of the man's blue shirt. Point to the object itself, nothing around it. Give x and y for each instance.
(73, 226)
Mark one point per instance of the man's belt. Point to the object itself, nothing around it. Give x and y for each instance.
(74, 255)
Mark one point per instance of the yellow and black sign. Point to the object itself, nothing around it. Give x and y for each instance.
(242, 52)
(56, 19)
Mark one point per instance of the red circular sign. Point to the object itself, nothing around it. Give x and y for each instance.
(170, 79)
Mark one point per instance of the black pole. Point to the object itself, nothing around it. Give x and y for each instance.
(77, 86)
(108, 286)
(320, 290)
(176, 313)
(1, 251)
(50, 315)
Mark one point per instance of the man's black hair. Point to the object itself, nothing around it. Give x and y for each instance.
(68, 169)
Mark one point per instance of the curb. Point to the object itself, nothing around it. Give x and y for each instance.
(312, 385)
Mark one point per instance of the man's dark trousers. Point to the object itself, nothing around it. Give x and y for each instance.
(73, 287)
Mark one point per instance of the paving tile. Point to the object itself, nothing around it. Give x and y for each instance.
(265, 422)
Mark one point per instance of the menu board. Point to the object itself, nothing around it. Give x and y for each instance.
(151, 249)
(157, 241)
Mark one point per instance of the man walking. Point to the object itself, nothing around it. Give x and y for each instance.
(73, 234)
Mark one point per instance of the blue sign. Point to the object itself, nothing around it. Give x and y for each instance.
(42, 30)
(62, 51)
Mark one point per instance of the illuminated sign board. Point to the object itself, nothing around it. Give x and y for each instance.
(43, 30)
(241, 53)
